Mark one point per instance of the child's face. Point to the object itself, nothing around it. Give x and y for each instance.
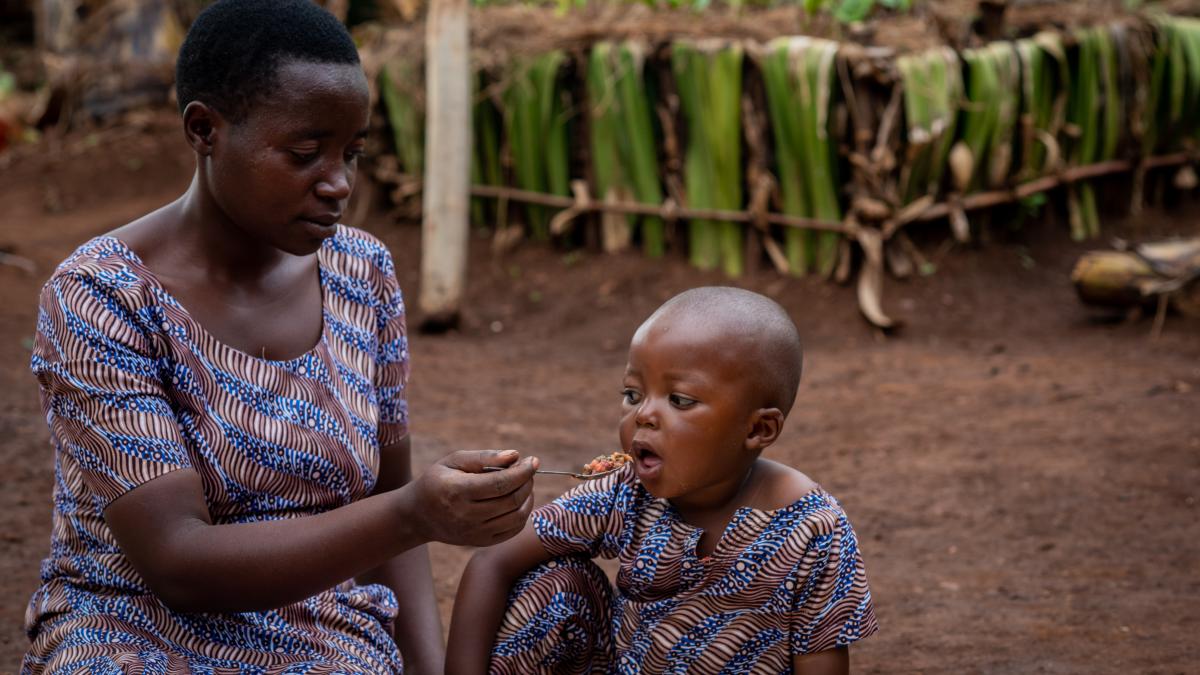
(687, 408)
(284, 173)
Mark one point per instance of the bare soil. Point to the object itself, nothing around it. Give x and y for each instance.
(1022, 476)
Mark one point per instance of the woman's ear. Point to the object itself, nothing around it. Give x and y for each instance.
(765, 426)
(200, 123)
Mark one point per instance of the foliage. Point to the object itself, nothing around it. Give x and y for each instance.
(845, 11)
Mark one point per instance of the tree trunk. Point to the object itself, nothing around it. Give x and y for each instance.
(447, 194)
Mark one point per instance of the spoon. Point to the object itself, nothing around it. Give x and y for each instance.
(576, 476)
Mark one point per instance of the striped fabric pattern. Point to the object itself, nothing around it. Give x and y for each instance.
(779, 583)
(555, 612)
(134, 388)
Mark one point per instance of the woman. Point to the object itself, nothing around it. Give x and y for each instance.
(224, 381)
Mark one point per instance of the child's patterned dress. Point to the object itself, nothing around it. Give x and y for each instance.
(134, 388)
(779, 583)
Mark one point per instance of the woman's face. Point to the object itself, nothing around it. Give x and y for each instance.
(284, 174)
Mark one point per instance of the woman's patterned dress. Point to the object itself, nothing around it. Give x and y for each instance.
(779, 583)
(134, 388)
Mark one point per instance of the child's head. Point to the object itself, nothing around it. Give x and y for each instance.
(711, 377)
(275, 104)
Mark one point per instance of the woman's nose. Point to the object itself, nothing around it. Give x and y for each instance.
(336, 184)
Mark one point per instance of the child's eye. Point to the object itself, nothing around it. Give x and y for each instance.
(631, 396)
(354, 153)
(682, 401)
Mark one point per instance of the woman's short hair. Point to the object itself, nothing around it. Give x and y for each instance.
(233, 51)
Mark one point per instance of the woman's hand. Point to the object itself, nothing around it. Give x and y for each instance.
(455, 502)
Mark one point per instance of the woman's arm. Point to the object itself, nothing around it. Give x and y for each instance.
(418, 629)
(829, 662)
(164, 528)
(482, 596)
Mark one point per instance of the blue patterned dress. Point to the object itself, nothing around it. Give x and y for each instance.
(779, 583)
(134, 388)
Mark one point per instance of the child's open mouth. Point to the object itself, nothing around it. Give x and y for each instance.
(647, 462)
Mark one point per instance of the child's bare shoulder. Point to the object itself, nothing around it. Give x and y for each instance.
(781, 486)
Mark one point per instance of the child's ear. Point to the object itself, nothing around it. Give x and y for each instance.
(199, 126)
(765, 426)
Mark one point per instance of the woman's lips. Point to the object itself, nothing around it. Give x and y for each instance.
(319, 229)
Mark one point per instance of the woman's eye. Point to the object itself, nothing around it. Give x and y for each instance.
(682, 401)
(304, 157)
(631, 396)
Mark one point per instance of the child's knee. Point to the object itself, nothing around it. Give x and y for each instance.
(558, 612)
(558, 579)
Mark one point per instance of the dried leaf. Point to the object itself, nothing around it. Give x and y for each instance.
(870, 280)
(959, 225)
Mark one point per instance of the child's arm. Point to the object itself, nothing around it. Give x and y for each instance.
(832, 605)
(829, 662)
(418, 629)
(588, 520)
(192, 565)
(482, 597)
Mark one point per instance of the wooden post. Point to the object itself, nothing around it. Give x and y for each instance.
(991, 19)
(447, 197)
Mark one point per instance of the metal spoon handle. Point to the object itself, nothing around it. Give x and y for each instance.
(557, 473)
(578, 476)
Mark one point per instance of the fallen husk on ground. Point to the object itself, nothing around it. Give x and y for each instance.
(1157, 273)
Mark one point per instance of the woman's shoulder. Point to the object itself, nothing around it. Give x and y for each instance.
(103, 265)
(99, 253)
(99, 294)
(354, 252)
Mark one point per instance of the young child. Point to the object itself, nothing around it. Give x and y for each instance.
(728, 562)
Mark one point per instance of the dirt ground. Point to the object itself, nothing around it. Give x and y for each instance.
(1022, 477)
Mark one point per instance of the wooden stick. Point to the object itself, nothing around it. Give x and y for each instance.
(1160, 317)
(20, 262)
(979, 200)
(663, 210)
(983, 200)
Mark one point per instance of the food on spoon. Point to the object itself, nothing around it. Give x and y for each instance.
(605, 463)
